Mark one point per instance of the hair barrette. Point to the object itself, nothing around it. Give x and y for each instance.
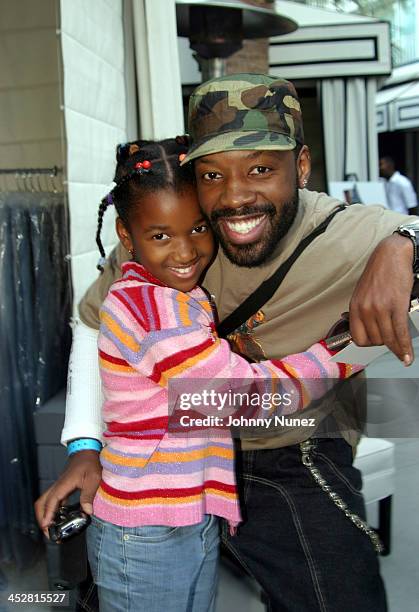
(144, 165)
(121, 152)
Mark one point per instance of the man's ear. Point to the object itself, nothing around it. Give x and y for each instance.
(303, 166)
(124, 235)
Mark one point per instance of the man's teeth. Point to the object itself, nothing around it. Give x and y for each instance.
(243, 227)
(183, 270)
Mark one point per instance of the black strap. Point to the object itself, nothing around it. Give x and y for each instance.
(266, 290)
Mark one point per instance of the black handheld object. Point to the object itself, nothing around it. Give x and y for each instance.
(68, 522)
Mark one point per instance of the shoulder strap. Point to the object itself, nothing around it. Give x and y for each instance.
(266, 290)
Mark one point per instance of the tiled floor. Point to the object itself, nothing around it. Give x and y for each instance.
(400, 569)
(33, 579)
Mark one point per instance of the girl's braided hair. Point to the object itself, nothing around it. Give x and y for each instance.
(143, 167)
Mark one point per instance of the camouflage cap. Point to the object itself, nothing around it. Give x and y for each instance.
(244, 111)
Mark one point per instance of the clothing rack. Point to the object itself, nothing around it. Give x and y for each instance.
(35, 306)
(52, 171)
(31, 179)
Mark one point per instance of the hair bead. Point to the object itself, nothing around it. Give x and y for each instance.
(101, 263)
(143, 165)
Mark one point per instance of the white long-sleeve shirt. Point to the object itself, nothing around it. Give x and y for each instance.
(400, 193)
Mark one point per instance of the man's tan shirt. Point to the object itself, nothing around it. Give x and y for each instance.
(311, 298)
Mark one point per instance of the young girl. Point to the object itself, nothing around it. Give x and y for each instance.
(153, 543)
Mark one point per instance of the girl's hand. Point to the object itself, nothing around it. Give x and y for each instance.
(83, 471)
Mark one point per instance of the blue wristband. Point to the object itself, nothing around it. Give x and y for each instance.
(83, 444)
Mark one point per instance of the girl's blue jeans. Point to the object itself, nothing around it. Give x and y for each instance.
(155, 568)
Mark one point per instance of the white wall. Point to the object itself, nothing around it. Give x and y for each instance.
(30, 116)
(92, 40)
(158, 69)
(98, 39)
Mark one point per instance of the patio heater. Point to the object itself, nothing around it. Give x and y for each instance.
(216, 29)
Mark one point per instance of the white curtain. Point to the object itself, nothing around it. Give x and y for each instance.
(356, 158)
(350, 134)
(333, 108)
(158, 69)
(373, 157)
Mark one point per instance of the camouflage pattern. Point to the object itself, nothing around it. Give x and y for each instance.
(244, 111)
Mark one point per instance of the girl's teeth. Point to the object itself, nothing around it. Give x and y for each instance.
(183, 270)
(243, 227)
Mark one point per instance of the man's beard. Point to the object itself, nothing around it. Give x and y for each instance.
(256, 253)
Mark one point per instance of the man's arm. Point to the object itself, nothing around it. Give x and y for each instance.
(94, 297)
(84, 397)
(84, 402)
(83, 410)
(381, 300)
(378, 315)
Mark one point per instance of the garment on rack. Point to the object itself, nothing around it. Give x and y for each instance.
(35, 307)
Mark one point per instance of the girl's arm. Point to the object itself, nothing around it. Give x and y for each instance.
(192, 351)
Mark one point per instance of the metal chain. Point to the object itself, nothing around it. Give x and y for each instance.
(306, 449)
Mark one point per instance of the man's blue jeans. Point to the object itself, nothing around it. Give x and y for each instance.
(302, 549)
(155, 569)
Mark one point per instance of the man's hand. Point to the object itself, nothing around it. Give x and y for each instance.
(381, 300)
(83, 471)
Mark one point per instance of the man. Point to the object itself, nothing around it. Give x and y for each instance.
(303, 537)
(401, 196)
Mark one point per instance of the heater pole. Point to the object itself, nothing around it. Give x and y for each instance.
(216, 29)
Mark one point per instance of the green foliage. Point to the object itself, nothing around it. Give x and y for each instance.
(370, 8)
(374, 8)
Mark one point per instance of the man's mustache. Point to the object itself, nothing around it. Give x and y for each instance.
(264, 209)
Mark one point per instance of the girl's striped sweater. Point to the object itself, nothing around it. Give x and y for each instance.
(149, 334)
